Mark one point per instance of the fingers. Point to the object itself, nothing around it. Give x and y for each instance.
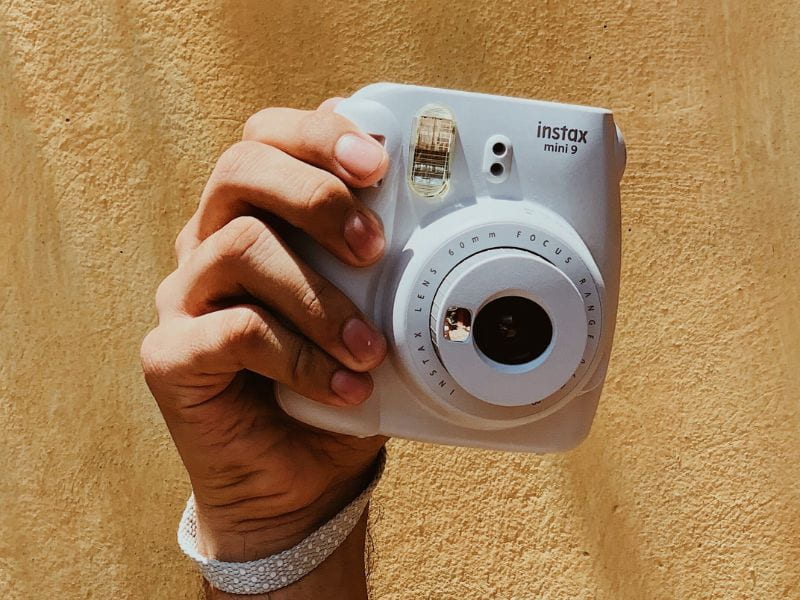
(297, 166)
(246, 258)
(251, 177)
(330, 103)
(322, 138)
(247, 337)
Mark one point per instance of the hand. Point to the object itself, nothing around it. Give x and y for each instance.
(262, 481)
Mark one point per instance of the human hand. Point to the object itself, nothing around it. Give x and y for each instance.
(262, 481)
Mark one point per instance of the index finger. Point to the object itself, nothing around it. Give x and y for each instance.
(322, 138)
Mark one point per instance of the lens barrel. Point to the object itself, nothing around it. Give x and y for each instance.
(513, 330)
(527, 332)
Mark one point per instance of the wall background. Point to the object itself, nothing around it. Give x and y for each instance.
(111, 116)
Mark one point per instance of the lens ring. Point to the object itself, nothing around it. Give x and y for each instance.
(513, 330)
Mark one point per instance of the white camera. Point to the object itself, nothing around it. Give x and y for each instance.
(498, 289)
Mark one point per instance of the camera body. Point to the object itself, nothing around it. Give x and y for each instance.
(498, 288)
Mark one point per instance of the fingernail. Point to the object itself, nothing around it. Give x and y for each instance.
(359, 156)
(363, 341)
(363, 236)
(351, 387)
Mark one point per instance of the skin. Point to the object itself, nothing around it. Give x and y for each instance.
(242, 311)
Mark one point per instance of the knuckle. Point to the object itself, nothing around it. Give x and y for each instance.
(232, 167)
(256, 124)
(151, 355)
(239, 237)
(304, 357)
(165, 293)
(326, 194)
(246, 328)
(315, 300)
(181, 241)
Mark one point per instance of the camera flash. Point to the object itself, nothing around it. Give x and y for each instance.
(431, 143)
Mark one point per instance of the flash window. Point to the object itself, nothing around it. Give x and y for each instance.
(432, 142)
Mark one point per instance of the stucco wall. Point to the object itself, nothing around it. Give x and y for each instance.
(112, 115)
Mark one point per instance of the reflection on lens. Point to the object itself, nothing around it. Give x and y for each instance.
(512, 330)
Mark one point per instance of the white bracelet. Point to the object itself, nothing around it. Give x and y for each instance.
(279, 570)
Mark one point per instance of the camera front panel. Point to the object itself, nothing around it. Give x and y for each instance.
(560, 208)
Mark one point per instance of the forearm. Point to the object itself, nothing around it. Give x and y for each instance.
(341, 576)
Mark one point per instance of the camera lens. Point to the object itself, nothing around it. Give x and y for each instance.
(512, 330)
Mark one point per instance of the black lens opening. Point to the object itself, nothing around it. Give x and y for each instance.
(512, 330)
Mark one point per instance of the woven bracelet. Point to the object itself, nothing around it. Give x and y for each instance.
(279, 570)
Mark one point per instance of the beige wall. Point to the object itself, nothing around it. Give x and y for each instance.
(111, 116)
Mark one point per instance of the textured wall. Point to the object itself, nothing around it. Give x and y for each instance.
(112, 115)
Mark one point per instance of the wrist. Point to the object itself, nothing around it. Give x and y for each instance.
(343, 571)
(242, 531)
(287, 548)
